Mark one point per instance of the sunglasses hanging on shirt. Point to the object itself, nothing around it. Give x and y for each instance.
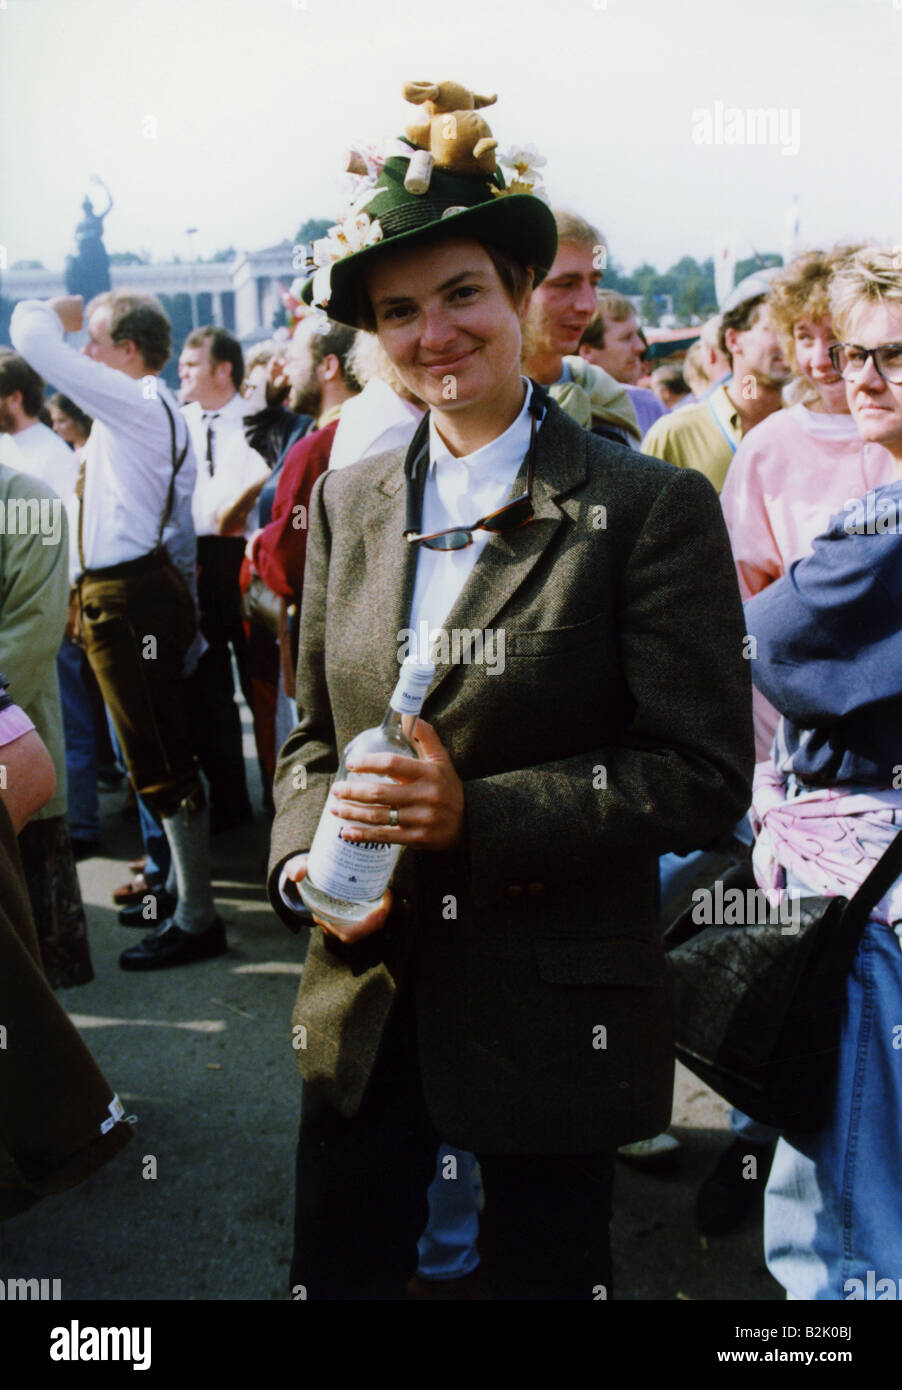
(515, 513)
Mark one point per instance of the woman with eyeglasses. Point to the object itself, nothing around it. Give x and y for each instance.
(509, 992)
(828, 804)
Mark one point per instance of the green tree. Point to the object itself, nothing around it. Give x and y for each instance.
(616, 278)
(313, 229)
(649, 309)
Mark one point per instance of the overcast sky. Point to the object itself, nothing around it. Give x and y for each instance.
(233, 115)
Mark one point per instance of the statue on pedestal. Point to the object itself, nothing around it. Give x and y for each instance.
(88, 271)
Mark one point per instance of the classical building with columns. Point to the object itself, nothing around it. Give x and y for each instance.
(242, 295)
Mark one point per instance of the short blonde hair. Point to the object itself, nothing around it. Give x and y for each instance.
(873, 276)
(801, 290)
(576, 229)
(710, 334)
(694, 369)
(612, 308)
(369, 361)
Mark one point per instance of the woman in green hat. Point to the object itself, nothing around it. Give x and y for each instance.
(590, 710)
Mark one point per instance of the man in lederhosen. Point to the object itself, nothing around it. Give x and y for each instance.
(137, 616)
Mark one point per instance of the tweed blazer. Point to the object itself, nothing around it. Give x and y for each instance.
(619, 729)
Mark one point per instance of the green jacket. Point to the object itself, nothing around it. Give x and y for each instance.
(34, 589)
(593, 396)
(619, 729)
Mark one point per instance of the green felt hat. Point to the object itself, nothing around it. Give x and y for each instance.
(453, 205)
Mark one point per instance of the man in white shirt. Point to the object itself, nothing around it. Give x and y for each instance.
(230, 475)
(27, 446)
(137, 614)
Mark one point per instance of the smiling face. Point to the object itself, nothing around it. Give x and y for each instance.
(453, 335)
(621, 355)
(756, 352)
(876, 405)
(812, 341)
(565, 301)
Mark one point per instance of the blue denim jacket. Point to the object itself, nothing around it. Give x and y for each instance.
(828, 648)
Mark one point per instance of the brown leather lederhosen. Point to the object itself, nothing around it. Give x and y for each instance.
(138, 620)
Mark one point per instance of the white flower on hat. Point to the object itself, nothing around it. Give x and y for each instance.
(355, 233)
(525, 160)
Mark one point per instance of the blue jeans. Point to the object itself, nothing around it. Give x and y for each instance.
(447, 1247)
(83, 803)
(156, 870)
(676, 872)
(832, 1210)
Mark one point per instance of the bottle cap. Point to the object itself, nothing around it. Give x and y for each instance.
(415, 679)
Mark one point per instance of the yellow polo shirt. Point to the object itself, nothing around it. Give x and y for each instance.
(698, 436)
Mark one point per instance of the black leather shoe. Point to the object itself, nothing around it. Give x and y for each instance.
(727, 1196)
(169, 945)
(133, 916)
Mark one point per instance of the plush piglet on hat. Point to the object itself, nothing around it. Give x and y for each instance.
(453, 134)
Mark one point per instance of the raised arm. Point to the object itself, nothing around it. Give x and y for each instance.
(120, 401)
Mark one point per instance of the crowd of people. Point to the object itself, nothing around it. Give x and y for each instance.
(274, 521)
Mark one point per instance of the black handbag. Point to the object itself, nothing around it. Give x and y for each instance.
(758, 1007)
(260, 605)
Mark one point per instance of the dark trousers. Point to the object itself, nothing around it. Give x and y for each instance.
(361, 1197)
(216, 729)
(137, 623)
(215, 720)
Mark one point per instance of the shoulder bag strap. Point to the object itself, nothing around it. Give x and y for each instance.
(878, 882)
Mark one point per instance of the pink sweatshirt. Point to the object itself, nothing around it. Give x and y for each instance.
(789, 476)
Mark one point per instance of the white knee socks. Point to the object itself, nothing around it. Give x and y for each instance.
(188, 834)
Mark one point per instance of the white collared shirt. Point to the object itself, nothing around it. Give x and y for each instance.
(128, 456)
(458, 492)
(236, 466)
(374, 422)
(36, 450)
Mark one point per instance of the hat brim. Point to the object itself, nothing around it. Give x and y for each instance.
(519, 223)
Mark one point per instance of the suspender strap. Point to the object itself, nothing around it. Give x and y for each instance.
(80, 494)
(170, 496)
(176, 465)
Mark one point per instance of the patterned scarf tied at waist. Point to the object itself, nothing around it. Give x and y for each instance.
(822, 841)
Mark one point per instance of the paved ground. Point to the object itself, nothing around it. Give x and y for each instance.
(202, 1056)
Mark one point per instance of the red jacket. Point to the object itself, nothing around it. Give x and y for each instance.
(280, 549)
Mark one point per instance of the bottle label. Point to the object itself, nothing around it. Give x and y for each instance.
(357, 871)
